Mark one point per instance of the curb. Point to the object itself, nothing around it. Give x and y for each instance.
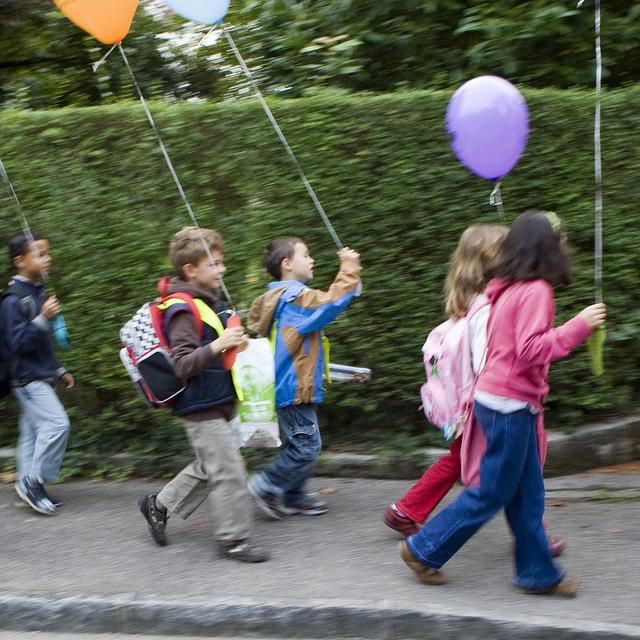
(588, 447)
(339, 621)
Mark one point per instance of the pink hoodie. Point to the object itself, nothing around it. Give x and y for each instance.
(521, 340)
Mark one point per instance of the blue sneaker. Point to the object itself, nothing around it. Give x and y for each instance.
(32, 493)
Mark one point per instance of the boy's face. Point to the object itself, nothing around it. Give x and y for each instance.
(204, 274)
(35, 262)
(300, 265)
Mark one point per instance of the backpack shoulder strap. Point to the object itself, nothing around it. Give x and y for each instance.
(191, 305)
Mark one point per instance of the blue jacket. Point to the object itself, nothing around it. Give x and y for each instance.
(299, 315)
(27, 339)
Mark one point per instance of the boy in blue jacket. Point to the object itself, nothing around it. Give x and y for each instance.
(294, 315)
(27, 347)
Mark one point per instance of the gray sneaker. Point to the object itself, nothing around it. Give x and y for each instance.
(267, 502)
(309, 507)
(243, 551)
(32, 493)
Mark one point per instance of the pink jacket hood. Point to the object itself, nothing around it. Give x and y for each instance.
(522, 342)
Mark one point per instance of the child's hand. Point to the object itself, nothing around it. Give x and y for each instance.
(245, 343)
(51, 307)
(595, 315)
(67, 380)
(230, 338)
(349, 255)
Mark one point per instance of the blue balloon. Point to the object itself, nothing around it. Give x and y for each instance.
(206, 11)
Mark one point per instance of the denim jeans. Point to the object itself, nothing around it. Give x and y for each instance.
(301, 445)
(510, 479)
(44, 430)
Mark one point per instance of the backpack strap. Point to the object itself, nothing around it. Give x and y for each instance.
(191, 305)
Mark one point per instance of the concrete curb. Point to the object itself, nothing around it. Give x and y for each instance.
(588, 447)
(323, 620)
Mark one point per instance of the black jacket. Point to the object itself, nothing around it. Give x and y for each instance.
(26, 339)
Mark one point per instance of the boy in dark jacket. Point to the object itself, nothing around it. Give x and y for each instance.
(27, 347)
(207, 406)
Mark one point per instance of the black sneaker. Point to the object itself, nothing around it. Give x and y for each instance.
(55, 500)
(267, 502)
(156, 519)
(33, 494)
(310, 507)
(243, 551)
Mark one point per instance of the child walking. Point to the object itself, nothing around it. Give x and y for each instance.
(294, 316)
(207, 406)
(465, 302)
(521, 344)
(27, 346)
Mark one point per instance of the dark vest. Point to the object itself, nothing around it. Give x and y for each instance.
(210, 388)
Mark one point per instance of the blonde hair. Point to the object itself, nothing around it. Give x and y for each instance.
(187, 246)
(476, 253)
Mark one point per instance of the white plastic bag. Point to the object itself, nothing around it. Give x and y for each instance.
(255, 370)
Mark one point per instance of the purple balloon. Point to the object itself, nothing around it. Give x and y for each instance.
(488, 122)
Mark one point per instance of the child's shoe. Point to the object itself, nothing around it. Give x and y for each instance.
(156, 519)
(424, 573)
(55, 500)
(557, 544)
(399, 522)
(267, 502)
(32, 493)
(309, 507)
(243, 551)
(566, 588)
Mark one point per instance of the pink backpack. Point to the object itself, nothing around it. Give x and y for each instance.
(447, 394)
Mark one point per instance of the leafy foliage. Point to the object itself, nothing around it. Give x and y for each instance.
(93, 180)
(300, 47)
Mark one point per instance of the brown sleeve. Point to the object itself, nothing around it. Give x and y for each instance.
(189, 356)
(347, 279)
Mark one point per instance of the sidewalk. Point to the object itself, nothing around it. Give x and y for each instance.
(93, 567)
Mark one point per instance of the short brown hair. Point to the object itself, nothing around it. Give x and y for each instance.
(187, 246)
(277, 251)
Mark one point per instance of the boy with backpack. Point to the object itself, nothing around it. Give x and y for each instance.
(294, 315)
(32, 367)
(207, 405)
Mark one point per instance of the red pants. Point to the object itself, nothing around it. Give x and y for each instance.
(425, 495)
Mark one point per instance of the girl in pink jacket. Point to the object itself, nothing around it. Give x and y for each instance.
(521, 344)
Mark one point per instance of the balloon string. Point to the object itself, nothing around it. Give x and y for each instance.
(174, 175)
(597, 143)
(96, 65)
(24, 223)
(495, 199)
(283, 140)
(597, 140)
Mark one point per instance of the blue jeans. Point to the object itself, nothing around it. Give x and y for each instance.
(44, 430)
(510, 479)
(301, 445)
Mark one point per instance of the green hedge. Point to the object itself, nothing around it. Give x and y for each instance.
(94, 181)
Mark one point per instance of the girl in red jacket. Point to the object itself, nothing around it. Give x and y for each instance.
(521, 344)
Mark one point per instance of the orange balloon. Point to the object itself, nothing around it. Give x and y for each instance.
(106, 20)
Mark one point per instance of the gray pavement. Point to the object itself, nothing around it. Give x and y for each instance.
(336, 575)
